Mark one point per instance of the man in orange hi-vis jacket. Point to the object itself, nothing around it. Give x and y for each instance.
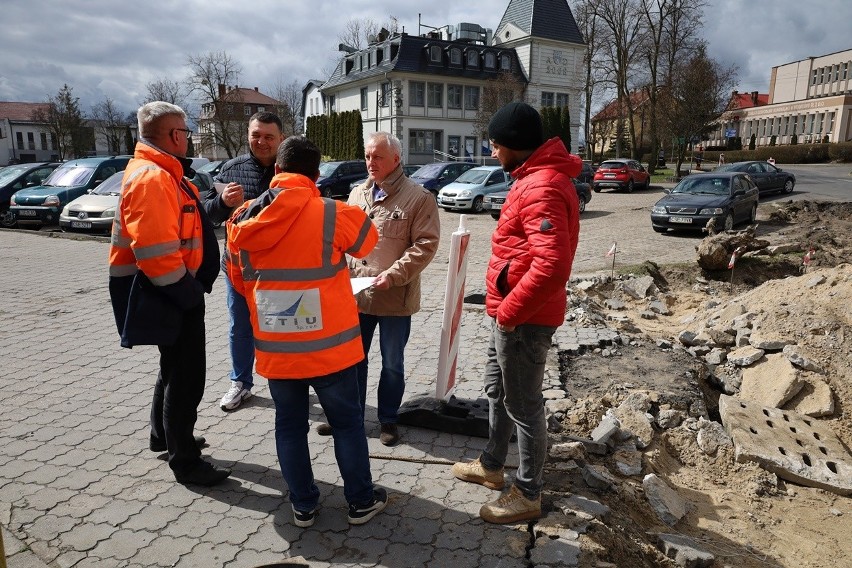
(162, 259)
(291, 244)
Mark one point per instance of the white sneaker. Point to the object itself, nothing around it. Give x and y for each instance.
(235, 396)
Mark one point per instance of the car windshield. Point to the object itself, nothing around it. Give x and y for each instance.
(473, 176)
(428, 171)
(209, 166)
(328, 168)
(703, 186)
(70, 175)
(112, 185)
(728, 168)
(9, 173)
(612, 166)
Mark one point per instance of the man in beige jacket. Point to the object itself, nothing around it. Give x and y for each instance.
(406, 216)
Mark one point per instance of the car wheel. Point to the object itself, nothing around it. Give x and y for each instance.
(326, 192)
(495, 216)
(630, 186)
(752, 217)
(7, 220)
(729, 221)
(477, 204)
(659, 229)
(788, 186)
(582, 204)
(597, 189)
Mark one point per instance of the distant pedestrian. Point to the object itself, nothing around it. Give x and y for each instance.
(532, 250)
(771, 160)
(291, 245)
(699, 156)
(163, 258)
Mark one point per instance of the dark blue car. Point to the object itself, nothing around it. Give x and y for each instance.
(726, 197)
(436, 175)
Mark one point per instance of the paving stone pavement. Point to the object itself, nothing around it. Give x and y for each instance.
(79, 487)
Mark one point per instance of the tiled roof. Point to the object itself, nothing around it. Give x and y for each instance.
(20, 111)
(548, 19)
(611, 110)
(249, 96)
(746, 100)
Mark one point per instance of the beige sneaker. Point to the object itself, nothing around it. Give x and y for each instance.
(511, 507)
(476, 473)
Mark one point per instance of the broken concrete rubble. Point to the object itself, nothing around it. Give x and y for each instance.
(665, 501)
(772, 381)
(684, 551)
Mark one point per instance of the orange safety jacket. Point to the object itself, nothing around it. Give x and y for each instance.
(290, 247)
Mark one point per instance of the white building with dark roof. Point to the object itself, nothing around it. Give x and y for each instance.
(426, 89)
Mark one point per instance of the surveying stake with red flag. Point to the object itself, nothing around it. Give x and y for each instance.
(448, 351)
(611, 252)
(734, 256)
(809, 256)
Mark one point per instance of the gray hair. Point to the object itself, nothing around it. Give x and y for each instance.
(149, 113)
(392, 141)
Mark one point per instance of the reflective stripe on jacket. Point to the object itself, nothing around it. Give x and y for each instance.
(291, 245)
(157, 227)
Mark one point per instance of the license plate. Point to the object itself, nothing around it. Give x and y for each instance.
(81, 224)
(680, 219)
(497, 206)
(27, 212)
(609, 175)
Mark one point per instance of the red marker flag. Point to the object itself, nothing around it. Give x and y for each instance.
(612, 250)
(806, 260)
(734, 257)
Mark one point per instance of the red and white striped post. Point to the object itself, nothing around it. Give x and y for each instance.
(448, 351)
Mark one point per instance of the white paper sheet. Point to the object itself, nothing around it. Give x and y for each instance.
(360, 284)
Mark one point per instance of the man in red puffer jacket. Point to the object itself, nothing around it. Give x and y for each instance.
(532, 250)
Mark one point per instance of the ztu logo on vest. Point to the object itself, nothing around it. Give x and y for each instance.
(280, 311)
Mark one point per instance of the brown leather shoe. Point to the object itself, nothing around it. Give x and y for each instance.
(389, 435)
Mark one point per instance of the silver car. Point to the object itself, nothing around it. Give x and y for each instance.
(470, 188)
(95, 210)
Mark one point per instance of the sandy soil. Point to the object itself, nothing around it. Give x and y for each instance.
(745, 516)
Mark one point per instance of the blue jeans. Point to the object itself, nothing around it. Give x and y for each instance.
(338, 395)
(393, 336)
(514, 374)
(241, 337)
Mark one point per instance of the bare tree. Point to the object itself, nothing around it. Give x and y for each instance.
(358, 32)
(164, 89)
(109, 123)
(212, 80)
(698, 96)
(496, 93)
(289, 95)
(64, 120)
(585, 12)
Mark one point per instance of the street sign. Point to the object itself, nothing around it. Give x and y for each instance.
(731, 133)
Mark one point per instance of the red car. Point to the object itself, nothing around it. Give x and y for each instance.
(621, 173)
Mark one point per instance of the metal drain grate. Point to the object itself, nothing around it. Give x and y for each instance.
(793, 446)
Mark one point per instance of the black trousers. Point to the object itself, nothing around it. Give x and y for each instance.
(178, 392)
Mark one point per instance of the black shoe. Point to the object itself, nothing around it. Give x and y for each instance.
(304, 519)
(360, 514)
(161, 446)
(389, 435)
(324, 429)
(205, 473)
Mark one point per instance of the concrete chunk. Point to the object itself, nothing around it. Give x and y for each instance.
(665, 501)
(790, 445)
(768, 342)
(745, 356)
(598, 477)
(771, 382)
(815, 399)
(684, 551)
(582, 507)
(799, 359)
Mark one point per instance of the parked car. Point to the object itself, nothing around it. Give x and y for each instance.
(767, 176)
(17, 177)
(95, 210)
(436, 175)
(495, 201)
(470, 188)
(335, 177)
(587, 174)
(407, 170)
(41, 205)
(211, 168)
(621, 173)
(727, 197)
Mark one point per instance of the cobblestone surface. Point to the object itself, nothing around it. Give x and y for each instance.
(78, 486)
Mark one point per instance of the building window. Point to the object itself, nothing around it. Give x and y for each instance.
(562, 99)
(453, 145)
(44, 141)
(454, 96)
(30, 140)
(795, 122)
(490, 60)
(363, 98)
(435, 53)
(332, 103)
(455, 56)
(830, 122)
(473, 59)
(229, 109)
(416, 91)
(386, 94)
(546, 99)
(814, 77)
(261, 109)
(247, 110)
(435, 95)
(471, 98)
(424, 141)
(505, 63)
(53, 142)
(822, 75)
(19, 136)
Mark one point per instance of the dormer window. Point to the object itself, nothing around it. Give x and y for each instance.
(435, 53)
(505, 63)
(490, 60)
(455, 56)
(473, 58)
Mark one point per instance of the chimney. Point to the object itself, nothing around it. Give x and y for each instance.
(255, 90)
(221, 89)
(754, 98)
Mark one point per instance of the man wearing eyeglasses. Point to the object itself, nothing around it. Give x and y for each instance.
(163, 258)
(247, 177)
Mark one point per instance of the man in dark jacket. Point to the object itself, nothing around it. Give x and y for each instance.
(532, 250)
(246, 176)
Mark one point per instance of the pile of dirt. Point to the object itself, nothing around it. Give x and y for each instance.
(742, 514)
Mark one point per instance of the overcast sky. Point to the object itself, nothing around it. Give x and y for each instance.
(107, 48)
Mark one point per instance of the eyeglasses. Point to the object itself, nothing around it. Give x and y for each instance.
(187, 130)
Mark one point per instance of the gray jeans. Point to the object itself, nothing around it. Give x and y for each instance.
(514, 375)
